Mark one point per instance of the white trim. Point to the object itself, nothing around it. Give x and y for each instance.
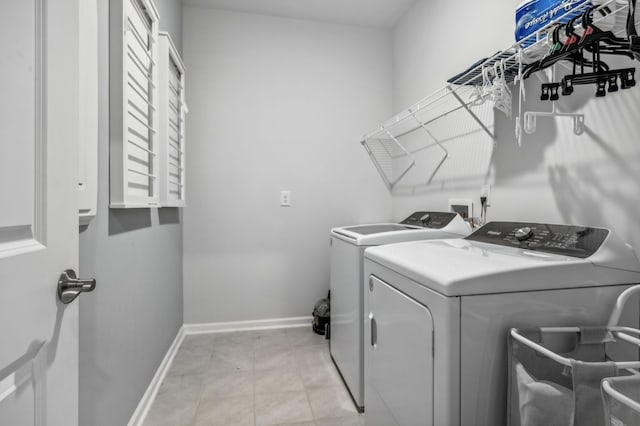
(220, 327)
(138, 417)
(173, 51)
(8, 386)
(42, 125)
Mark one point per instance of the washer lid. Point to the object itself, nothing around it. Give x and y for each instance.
(375, 228)
(456, 267)
(432, 225)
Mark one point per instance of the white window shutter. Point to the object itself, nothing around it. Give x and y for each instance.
(171, 134)
(134, 103)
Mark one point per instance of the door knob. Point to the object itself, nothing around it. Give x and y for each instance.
(70, 286)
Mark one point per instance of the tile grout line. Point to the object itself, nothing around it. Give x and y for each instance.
(253, 375)
(306, 393)
(195, 415)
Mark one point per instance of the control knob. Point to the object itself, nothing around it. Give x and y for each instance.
(524, 233)
(581, 230)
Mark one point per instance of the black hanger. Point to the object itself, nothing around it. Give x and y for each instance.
(557, 52)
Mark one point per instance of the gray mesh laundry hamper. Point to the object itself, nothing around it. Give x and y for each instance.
(621, 400)
(555, 373)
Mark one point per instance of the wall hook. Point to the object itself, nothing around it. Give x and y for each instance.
(578, 124)
(529, 122)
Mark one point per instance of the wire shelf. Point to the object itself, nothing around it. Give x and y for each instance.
(464, 92)
(536, 45)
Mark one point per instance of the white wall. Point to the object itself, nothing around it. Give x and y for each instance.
(556, 176)
(275, 104)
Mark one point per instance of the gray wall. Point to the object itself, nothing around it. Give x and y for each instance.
(275, 104)
(129, 322)
(555, 176)
(170, 12)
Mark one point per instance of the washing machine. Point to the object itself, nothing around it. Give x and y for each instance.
(347, 305)
(438, 313)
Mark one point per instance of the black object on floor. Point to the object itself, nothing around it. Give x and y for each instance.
(321, 315)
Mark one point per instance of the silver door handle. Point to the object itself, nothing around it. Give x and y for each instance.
(70, 286)
(374, 331)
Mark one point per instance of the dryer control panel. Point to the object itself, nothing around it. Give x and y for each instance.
(566, 240)
(434, 220)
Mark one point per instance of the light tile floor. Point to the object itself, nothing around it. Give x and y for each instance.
(254, 378)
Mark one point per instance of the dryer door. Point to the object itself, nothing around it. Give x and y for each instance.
(399, 359)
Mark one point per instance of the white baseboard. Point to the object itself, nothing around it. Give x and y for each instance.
(220, 327)
(138, 417)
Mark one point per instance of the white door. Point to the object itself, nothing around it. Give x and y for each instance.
(38, 211)
(399, 359)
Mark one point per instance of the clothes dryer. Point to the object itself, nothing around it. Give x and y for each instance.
(347, 305)
(438, 313)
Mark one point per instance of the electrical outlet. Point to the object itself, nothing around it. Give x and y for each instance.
(462, 206)
(285, 198)
(486, 192)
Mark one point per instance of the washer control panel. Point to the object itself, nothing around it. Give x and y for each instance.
(567, 240)
(435, 220)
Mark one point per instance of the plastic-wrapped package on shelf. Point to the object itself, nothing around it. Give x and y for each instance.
(605, 15)
(533, 15)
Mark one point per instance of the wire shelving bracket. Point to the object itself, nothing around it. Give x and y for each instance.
(392, 158)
